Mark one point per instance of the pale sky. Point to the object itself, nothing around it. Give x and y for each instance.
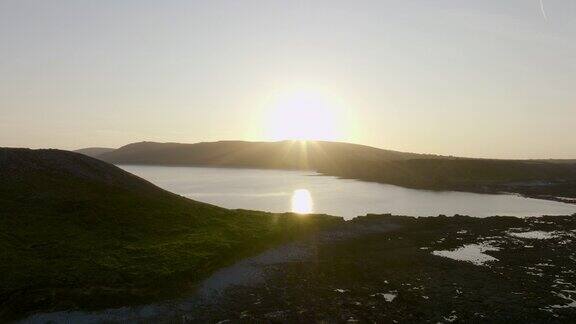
(490, 78)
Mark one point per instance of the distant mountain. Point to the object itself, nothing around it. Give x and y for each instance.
(78, 232)
(94, 151)
(277, 155)
(535, 178)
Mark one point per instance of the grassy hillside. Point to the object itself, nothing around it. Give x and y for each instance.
(459, 174)
(78, 232)
(541, 179)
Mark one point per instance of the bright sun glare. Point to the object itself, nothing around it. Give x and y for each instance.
(302, 202)
(304, 115)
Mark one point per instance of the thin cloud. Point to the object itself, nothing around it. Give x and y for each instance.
(543, 10)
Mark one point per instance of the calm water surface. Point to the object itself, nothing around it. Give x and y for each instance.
(307, 192)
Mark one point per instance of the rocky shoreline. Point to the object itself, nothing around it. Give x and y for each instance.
(396, 276)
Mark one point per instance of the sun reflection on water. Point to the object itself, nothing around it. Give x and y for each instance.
(302, 202)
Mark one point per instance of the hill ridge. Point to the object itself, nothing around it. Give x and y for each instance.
(77, 232)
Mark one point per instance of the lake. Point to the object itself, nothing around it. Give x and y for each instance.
(309, 192)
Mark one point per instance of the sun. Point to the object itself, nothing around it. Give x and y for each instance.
(304, 115)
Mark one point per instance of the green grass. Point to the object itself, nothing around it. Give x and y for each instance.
(69, 242)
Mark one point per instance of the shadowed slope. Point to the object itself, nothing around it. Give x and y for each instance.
(78, 232)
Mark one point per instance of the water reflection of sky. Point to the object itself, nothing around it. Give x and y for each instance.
(305, 192)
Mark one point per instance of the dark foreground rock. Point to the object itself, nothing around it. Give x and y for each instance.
(394, 276)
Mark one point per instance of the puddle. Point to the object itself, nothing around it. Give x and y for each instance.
(473, 253)
(534, 235)
(387, 296)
